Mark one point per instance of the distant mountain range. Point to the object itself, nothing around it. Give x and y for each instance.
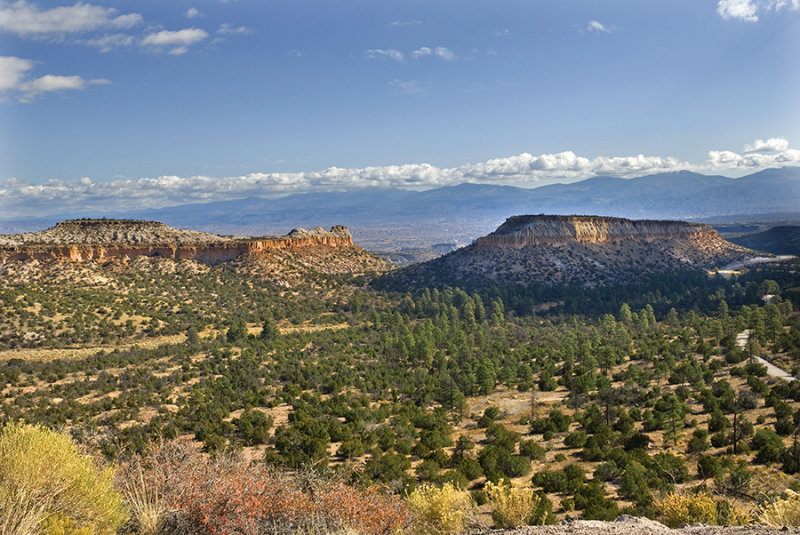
(382, 218)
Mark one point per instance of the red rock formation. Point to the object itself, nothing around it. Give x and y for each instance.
(522, 231)
(109, 239)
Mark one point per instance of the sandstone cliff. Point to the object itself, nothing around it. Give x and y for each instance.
(101, 240)
(527, 230)
(585, 250)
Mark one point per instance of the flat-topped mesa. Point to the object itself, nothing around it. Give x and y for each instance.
(530, 230)
(583, 250)
(106, 239)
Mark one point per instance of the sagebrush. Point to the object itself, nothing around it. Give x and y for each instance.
(443, 510)
(47, 485)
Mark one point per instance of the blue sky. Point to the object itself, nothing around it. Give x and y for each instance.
(123, 104)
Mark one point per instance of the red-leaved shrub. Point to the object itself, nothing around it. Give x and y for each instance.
(225, 495)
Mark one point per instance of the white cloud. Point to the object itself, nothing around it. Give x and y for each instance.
(594, 26)
(229, 29)
(771, 145)
(747, 10)
(409, 87)
(27, 19)
(379, 53)
(737, 9)
(505, 32)
(18, 197)
(12, 71)
(439, 51)
(12, 78)
(178, 41)
(405, 22)
(193, 12)
(108, 42)
(52, 82)
(763, 154)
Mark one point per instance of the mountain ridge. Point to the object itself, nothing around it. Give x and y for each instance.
(391, 218)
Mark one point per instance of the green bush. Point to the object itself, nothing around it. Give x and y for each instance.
(46, 483)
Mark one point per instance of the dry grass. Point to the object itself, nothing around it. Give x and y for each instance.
(441, 510)
(512, 506)
(782, 512)
(48, 355)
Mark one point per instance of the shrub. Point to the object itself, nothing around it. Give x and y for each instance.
(729, 514)
(676, 509)
(441, 510)
(44, 476)
(228, 495)
(531, 450)
(513, 507)
(592, 500)
(769, 445)
(782, 512)
(576, 439)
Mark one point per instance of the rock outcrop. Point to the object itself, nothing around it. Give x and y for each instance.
(531, 230)
(101, 239)
(584, 250)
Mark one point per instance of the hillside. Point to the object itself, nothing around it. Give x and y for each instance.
(783, 239)
(583, 250)
(600, 413)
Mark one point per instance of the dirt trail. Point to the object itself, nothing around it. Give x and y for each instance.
(628, 525)
(772, 370)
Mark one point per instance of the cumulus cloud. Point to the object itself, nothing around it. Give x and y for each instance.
(380, 53)
(12, 78)
(193, 12)
(774, 152)
(52, 82)
(737, 9)
(771, 145)
(594, 26)
(177, 41)
(12, 71)
(527, 170)
(747, 10)
(28, 20)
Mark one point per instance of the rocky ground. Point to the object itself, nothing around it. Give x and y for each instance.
(629, 525)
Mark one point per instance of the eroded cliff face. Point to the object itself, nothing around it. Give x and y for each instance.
(533, 230)
(102, 240)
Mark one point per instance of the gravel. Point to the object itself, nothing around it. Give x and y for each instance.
(629, 525)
